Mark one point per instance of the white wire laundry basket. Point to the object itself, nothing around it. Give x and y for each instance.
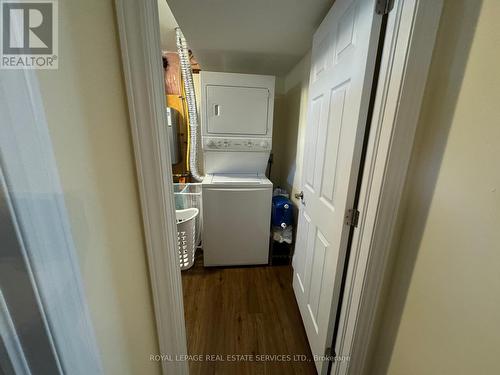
(186, 236)
(188, 206)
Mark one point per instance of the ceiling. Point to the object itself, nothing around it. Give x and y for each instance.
(245, 36)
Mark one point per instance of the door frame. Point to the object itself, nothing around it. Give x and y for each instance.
(139, 33)
(409, 42)
(410, 35)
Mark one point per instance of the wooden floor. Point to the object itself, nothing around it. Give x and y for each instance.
(240, 315)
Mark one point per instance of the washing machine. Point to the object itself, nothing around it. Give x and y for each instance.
(237, 211)
(236, 129)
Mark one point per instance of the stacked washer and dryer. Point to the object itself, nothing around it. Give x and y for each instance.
(236, 129)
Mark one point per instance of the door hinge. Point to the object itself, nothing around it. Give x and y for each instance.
(330, 354)
(352, 217)
(384, 6)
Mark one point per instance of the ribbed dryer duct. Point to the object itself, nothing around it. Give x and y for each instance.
(187, 76)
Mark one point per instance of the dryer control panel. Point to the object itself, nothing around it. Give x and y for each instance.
(237, 144)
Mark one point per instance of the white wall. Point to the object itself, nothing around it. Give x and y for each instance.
(88, 119)
(443, 310)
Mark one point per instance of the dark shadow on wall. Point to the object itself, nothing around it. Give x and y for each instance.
(292, 102)
(451, 53)
(285, 135)
(279, 126)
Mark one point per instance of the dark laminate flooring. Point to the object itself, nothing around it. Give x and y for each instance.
(245, 319)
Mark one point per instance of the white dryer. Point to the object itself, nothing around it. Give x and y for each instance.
(237, 124)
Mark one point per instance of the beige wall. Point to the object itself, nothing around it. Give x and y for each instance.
(289, 127)
(87, 114)
(279, 129)
(443, 311)
(167, 27)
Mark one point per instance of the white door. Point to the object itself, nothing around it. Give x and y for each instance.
(343, 60)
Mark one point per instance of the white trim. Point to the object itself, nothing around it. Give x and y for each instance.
(411, 32)
(32, 180)
(141, 53)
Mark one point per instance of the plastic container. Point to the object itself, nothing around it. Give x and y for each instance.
(189, 196)
(186, 236)
(282, 212)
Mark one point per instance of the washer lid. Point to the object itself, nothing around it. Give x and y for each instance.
(237, 179)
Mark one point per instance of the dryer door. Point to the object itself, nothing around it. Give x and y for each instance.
(236, 110)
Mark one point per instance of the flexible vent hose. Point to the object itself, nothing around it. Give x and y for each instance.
(187, 77)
